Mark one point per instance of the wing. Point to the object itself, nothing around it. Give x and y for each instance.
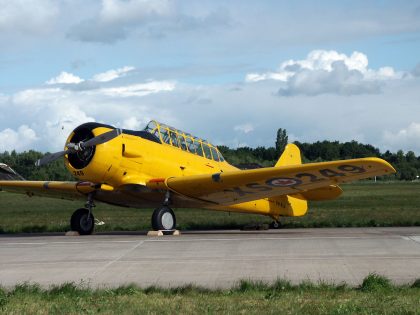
(240, 186)
(55, 189)
(7, 173)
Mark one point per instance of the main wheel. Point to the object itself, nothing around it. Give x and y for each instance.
(82, 222)
(163, 218)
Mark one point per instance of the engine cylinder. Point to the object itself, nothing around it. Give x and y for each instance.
(81, 159)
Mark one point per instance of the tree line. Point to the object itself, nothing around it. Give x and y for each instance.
(24, 164)
(407, 164)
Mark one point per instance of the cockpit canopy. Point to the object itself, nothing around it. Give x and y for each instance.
(184, 141)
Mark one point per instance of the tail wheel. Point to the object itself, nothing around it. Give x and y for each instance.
(82, 222)
(275, 225)
(163, 218)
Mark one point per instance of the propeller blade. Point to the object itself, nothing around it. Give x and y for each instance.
(105, 137)
(50, 158)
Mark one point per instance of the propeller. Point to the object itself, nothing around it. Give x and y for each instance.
(80, 146)
(50, 157)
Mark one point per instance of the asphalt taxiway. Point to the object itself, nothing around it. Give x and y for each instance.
(212, 259)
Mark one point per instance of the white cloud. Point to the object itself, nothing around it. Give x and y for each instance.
(133, 123)
(327, 72)
(407, 138)
(112, 74)
(416, 70)
(34, 96)
(117, 19)
(65, 78)
(53, 112)
(245, 128)
(19, 139)
(60, 121)
(3, 98)
(27, 16)
(141, 89)
(228, 116)
(133, 10)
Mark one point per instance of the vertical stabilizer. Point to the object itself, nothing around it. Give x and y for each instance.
(287, 205)
(290, 156)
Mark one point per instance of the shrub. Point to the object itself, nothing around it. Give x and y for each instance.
(375, 282)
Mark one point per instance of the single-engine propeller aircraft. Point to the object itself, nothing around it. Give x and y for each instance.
(163, 166)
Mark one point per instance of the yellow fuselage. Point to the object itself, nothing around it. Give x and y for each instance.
(132, 160)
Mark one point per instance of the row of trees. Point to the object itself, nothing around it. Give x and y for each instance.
(24, 164)
(407, 164)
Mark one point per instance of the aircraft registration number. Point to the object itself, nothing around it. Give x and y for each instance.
(298, 179)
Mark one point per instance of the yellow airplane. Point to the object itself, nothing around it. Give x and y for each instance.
(163, 166)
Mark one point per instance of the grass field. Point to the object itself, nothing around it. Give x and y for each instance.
(375, 296)
(362, 204)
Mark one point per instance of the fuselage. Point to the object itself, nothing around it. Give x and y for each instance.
(125, 165)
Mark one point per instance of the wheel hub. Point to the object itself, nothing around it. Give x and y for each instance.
(167, 221)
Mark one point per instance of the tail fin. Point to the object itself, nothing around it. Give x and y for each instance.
(297, 204)
(290, 156)
(290, 205)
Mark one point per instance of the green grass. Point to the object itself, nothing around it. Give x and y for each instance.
(366, 204)
(281, 297)
(362, 204)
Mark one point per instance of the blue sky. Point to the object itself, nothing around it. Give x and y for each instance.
(229, 71)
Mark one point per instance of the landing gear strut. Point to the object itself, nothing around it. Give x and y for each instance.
(163, 218)
(82, 220)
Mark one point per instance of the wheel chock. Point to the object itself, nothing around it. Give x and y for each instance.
(164, 232)
(155, 233)
(72, 233)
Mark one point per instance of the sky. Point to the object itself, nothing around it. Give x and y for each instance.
(232, 72)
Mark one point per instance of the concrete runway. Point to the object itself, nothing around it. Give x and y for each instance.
(212, 259)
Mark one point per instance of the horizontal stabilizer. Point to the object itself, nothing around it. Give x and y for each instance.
(322, 193)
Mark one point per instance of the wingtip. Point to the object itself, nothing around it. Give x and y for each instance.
(388, 168)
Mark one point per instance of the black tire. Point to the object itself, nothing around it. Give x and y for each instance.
(79, 222)
(275, 225)
(163, 218)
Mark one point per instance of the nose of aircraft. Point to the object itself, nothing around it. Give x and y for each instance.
(80, 147)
